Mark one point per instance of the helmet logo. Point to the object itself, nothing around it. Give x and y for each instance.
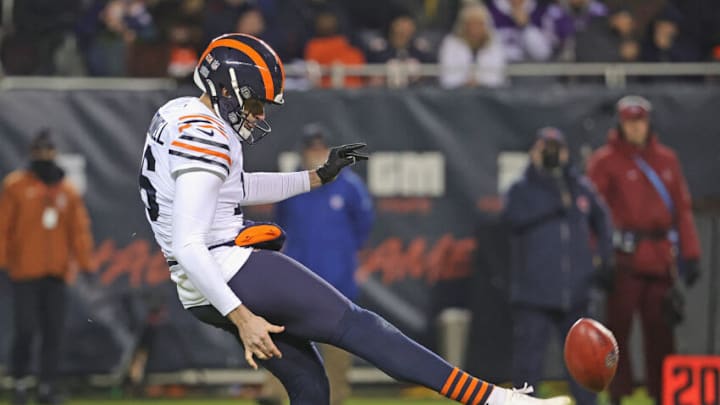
(245, 92)
(204, 71)
(214, 63)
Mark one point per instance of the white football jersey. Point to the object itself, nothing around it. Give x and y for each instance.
(186, 135)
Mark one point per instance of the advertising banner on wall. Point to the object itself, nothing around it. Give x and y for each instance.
(439, 161)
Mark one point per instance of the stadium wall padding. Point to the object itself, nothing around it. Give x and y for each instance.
(436, 241)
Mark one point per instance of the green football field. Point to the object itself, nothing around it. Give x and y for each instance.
(365, 401)
(411, 396)
(638, 399)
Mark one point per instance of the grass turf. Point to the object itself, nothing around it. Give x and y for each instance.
(408, 397)
(635, 400)
(199, 401)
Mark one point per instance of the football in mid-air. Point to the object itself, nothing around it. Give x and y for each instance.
(591, 354)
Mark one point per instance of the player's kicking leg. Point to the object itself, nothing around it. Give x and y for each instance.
(286, 293)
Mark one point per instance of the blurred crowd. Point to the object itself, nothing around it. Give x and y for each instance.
(472, 40)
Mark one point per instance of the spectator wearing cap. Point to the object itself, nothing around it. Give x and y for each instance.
(666, 42)
(44, 229)
(531, 30)
(326, 228)
(472, 55)
(553, 213)
(655, 239)
(611, 38)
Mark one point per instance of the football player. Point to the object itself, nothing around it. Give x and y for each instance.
(193, 185)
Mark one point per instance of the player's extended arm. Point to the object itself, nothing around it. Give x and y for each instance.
(266, 188)
(196, 195)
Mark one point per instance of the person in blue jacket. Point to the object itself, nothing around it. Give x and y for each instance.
(326, 228)
(562, 245)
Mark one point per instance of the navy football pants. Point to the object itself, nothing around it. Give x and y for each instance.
(286, 293)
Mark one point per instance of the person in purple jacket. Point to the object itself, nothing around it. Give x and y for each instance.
(530, 31)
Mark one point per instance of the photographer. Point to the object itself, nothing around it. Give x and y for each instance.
(552, 211)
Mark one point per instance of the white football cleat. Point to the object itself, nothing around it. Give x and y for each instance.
(519, 396)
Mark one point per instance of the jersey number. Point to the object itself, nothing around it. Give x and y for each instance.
(153, 209)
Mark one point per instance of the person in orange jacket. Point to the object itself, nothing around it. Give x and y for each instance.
(44, 226)
(330, 47)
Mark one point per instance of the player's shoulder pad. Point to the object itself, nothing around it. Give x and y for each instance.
(203, 125)
(202, 139)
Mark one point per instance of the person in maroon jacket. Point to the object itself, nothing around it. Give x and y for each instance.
(644, 187)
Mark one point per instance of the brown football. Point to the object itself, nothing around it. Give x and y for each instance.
(591, 354)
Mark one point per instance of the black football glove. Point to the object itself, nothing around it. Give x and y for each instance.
(605, 277)
(340, 157)
(691, 272)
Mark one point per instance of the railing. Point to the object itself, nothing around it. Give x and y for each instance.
(614, 74)
(84, 83)
(393, 74)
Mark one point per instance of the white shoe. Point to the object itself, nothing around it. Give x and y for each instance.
(519, 396)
